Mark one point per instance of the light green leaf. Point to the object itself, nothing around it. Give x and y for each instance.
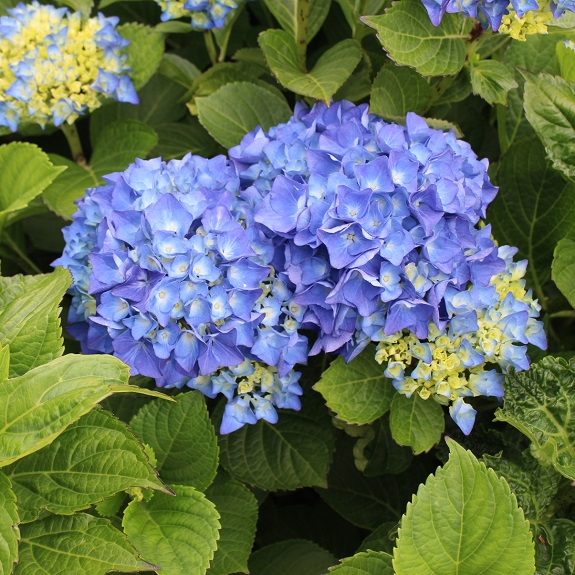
(38, 406)
(285, 11)
(357, 392)
(9, 532)
(119, 144)
(555, 548)
(144, 52)
(464, 520)
(238, 510)
(94, 458)
(540, 403)
(232, 111)
(491, 80)
(397, 91)
(182, 437)
(178, 69)
(175, 140)
(292, 556)
(563, 268)
(84, 6)
(76, 544)
(61, 194)
(179, 534)
(415, 422)
(367, 563)
(410, 39)
(332, 69)
(535, 207)
(549, 104)
(351, 11)
(26, 171)
(304, 439)
(566, 58)
(30, 318)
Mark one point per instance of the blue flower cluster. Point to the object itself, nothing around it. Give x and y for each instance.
(378, 226)
(170, 278)
(54, 65)
(204, 14)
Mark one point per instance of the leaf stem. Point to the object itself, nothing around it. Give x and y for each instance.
(211, 47)
(563, 313)
(302, 19)
(16, 249)
(71, 133)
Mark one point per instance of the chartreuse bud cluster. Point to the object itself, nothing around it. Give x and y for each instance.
(172, 279)
(203, 14)
(55, 66)
(378, 226)
(517, 18)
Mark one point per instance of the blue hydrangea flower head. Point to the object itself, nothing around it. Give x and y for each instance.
(203, 14)
(54, 66)
(171, 278)
(379, 230)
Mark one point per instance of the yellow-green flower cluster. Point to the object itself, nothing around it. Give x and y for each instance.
(55, 66)
(485, 328)
(532, 22)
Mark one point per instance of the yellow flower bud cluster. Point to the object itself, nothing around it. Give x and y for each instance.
(532, 22)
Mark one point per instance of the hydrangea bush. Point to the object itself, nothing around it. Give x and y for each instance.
(329, 246)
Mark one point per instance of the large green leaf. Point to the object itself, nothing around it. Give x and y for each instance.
(144, 52)
(555, 548)
(234, 109)
(491, 80)
(549, 104)
(331, 70)
(9, 532)
(76, 544)
(25, 172)
(179, 534)
(94, 458)
(541, 404)
(358, 392)
(563, 268)
(566, 59)
(175, 140)
(410, 38)
(366, 563)
(294, 452)
(415, 422)
(292, 556)
(30, 318)
(238, 510)
(285, 12)
(398, 90)
(535, 207)
(38, 406)
(182, 437)
(464, 520)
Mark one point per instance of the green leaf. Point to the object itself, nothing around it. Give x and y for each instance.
(415, 422)
(555, 548)
(94, 458)
(61, 194)
(26, 171)
(367, 563)
(397, 91)
(304, 439)
(535, 207)
(357, 392)
(182, 437)
(332, 69)
(549, 104)
(9, 532)
(233, 110)
(79, 543)
(464, 519)
(563, 268)
(410, 39)
(178, 69)
(179, 534)
(175, 140)
(534, 485)
(540, 403)
(292, 556)
(84, 6)
(491, 80)
(381, 539)
(30, 318)
(119, 144)
(238, 510)
(39, 405)
(285, 12)
(566, 58)
(144, 52)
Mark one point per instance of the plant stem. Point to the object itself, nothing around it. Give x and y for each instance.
(211, 47)
(565, 313)
(71, 133)
(15, 248)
